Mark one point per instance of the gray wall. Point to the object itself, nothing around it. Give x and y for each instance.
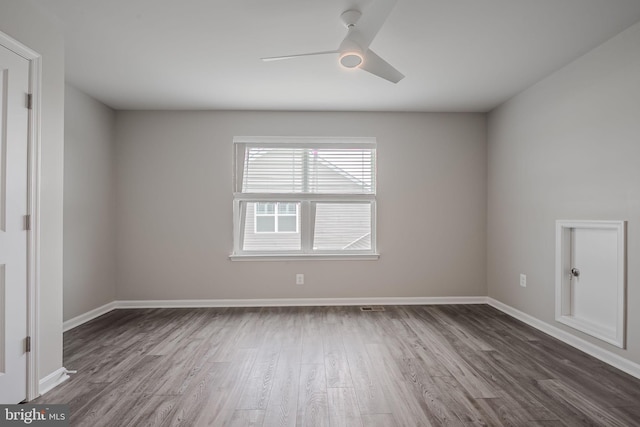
(89, 204)
(25, 23)
(174, 207)
(567, 148)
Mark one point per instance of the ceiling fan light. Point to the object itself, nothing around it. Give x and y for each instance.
(351, 59)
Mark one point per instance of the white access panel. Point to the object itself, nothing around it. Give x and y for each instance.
(590, 282)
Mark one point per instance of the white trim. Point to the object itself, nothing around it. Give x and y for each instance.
(52, 380)
(67, 325)
(563, 304)
(305, 257)
(268, 302)
(33, 236)
(598, 352)
(296, 141)
(300, 302)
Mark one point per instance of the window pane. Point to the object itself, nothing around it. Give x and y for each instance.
(265, 208)
(287, 208)
(265, 224)
(287, 224)
(341, 171)
(273, 170)
(342, 226)
(266, 241)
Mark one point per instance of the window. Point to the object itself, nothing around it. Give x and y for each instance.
(304, 197)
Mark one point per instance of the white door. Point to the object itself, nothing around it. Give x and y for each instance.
(14, 121)
(594, 294)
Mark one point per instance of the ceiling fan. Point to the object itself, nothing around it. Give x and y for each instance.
(354, 50)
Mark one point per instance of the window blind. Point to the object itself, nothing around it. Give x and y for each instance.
(308, 170)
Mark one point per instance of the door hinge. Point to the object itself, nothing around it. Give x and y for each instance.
(29, 101)
(27, 222)
(28, 344)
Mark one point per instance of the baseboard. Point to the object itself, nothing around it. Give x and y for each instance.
(292, 302)
(600, 353)
(89, 315)
(269, 302)
(52, 380)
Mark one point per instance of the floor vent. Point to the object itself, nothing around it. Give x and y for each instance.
(372, 308)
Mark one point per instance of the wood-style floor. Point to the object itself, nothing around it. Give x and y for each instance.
(334, 366)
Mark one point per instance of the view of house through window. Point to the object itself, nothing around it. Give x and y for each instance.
(278, 217)
(304, 196)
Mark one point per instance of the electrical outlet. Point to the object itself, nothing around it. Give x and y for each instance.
(523, 280)
(299, 279)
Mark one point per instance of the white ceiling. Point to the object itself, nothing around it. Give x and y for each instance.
(457, 55)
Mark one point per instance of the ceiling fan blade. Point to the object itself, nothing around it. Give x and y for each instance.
(372, 20)
(279, 58)
(381, 68)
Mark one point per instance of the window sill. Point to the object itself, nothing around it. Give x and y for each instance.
(306, 257)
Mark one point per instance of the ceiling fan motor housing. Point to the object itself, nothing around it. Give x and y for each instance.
(350, 17)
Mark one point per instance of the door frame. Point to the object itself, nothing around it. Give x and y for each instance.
(33, 207)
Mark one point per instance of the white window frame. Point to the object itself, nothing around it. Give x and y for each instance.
(307, 202)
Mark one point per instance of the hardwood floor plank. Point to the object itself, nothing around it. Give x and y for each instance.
(222, 346)
(221, 404)
(410, 410)
(445, 354)
(591, 412)
(464, 373)
(408, 403)
(630, 414)
(246, 418)
(335, 358)
(153, 411)
(290, 328)
(77, 393)
(379, 420)
(343, 407)
(455, 397)
(570, 369)
(192, 404)
(312, 349)
(184, 326)
(456, 328)
(313, 406)
(500, 412)
(109, 401)
(519, 390)
(282, 408)
(369, 391)
(108, 410)
(257, 388)
(249, 334)
(433, 399)
(546, 423)
(177, 370)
